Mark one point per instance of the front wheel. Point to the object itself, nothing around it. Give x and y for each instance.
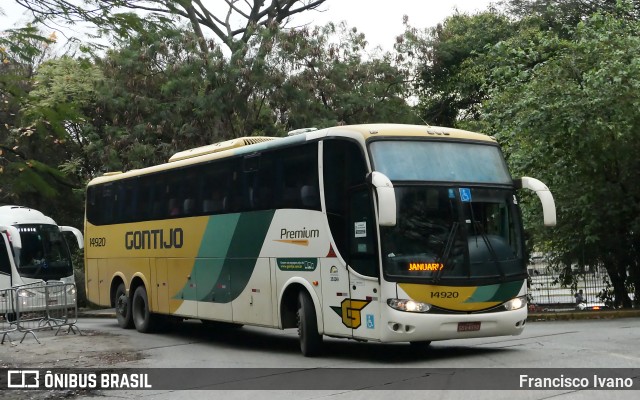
(310, 339)
(143, 319)
(123, 308)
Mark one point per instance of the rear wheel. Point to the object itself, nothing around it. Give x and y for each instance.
(143, 319)
(310, 339)
(123, 308)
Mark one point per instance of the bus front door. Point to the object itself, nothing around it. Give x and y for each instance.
(364, 309)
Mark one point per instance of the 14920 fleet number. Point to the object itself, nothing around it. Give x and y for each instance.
(445, 295)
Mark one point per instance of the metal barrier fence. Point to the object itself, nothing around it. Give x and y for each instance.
(40, 306)
(7, 313)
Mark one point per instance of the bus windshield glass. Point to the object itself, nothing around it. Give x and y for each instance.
(437, 161)
(44, 253)
(445, 232)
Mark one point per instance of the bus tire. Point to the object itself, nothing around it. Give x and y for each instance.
(143, 319)
(310, 339)
(123, 308)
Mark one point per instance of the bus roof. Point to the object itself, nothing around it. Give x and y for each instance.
(16, 215)
(249, 145)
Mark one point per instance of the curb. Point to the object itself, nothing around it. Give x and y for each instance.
(103, 313)
(581, 315)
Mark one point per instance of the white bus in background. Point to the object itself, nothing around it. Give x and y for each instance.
(33, 249)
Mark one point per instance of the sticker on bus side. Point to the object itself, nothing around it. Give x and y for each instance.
(297, 264)
(360, 229)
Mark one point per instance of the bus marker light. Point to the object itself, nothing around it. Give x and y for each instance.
(315, 283)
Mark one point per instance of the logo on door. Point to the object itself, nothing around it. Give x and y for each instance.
(350, 311)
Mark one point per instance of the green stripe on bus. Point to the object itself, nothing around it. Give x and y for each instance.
(495, 293)
(227, 257)
(507, 291)
(218, 236)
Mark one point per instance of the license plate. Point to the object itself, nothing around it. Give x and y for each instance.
(468, 326)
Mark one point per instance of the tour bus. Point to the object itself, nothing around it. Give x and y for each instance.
(33, 249)
(379, 232)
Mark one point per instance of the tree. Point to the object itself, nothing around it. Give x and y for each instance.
(156, 94)
(329, 79)
(450, 79)
(562, 15)
(28, 169)
(571, 121)
(234, 27)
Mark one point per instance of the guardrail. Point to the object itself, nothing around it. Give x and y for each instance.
(7, 313)
(40, 306)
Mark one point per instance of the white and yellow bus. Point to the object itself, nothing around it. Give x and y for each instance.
(381, 232)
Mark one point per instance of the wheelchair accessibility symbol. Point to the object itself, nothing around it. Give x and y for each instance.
(370, 322)
(465, 195)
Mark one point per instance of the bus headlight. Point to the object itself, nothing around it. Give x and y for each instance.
(408, 305)
(516, 303)
(25, 293)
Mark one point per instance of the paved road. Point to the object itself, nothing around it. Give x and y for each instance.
(551, 344)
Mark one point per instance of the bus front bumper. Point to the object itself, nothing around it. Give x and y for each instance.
(399, 326)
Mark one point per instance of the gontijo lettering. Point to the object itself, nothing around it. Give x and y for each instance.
(154, 239)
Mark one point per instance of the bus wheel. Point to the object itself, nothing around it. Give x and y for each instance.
(143, 319)
(310, 339)
(123, 308)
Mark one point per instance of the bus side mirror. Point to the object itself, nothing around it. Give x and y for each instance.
(76, 232)
(14, 236)
(545, 196)
(386, 198)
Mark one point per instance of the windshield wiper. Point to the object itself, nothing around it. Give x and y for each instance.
(447, 250)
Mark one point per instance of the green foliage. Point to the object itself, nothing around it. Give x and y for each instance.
(451, 81)
(328, 79)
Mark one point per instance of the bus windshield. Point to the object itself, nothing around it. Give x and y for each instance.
(445, 232)
(44, 254)
(413, 160)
